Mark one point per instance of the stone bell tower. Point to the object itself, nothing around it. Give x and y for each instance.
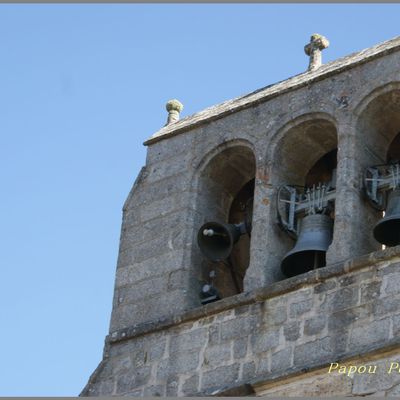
(255, 258)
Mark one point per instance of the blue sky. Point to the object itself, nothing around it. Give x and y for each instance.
(81, 88)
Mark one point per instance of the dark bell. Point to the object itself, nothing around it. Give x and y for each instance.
(216, 240)
(311, 246)
(387, 230)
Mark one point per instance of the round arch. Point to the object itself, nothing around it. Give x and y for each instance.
(224, 186)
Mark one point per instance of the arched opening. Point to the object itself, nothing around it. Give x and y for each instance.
(323, 170)
(393, 153)
(379, 124)
(379, 130)
(306, 161)
(225, 196)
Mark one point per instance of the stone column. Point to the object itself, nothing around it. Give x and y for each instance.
(353, 216)
(268, 240)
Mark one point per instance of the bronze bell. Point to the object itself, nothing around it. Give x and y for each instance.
(313, 242)
(387, 230)
(216, 240)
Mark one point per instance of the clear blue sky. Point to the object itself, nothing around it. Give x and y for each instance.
(81, 88)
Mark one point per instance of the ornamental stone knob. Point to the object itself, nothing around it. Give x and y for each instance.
(174, 107)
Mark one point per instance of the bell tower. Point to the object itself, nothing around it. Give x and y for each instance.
(259, 244)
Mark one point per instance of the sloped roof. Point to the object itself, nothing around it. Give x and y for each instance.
(266, 93)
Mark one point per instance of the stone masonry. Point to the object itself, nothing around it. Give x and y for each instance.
(278, 335)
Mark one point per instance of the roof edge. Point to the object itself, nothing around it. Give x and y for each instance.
(268, 92)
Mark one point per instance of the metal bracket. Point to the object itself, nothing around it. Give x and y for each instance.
(378, 180)
(297, 201)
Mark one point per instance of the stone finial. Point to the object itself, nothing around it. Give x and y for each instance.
(314, 48)
(174, 107)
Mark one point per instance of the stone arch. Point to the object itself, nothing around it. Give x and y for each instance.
(214, 151)
(377, 122)
(224, 183)
(311, 134)
(301, 146)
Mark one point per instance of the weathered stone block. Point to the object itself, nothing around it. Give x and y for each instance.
(320, 350)
(391, 283)
(167, 168)
(386, 305)
(240, 348)
(191, 385)
(239, 327)
(174, 204)
(156, 350)
(214, 334)
(264, 365)
(324, 385)
(324, 286)
(147, 288)
(281, 360)
(126, 315)
(189, 341)
(300, 308)
(215, 356)
(368, 334)
(391, 268)
(292, 331)
(394, 391)
(242, 310)
(177, 363)
(129, 274)
(227, 374)
(154, 391)
(265, 341)
(370, 291)
(122, 364)
(371, 383)
(107, 387)
(274, 314)
(172, 386)
(249, 370)
(131, 381)
(134, 348)
(341, 299)
(146, 232)
(396, 325)
(134, 393)
(164, 188)
(342, 319)
(166, 149)
(179, 280)
(314, 325)
(348, 280)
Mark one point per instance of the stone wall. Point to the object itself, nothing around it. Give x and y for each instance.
(161, 340)
(159, 263)
(373, 375)
(249, 341)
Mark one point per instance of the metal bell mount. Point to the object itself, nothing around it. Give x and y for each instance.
(303, 214)
(382, 186)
